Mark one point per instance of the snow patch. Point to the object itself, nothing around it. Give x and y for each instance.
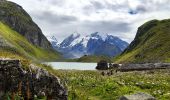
(52, 38)
(85, 41)
(75, 35)
(98, 35)
(76, 41)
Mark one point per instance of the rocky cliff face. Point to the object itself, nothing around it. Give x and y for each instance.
(19, 20)
(28, 84)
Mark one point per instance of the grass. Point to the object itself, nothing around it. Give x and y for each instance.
(15, 46)
(89, 58)
(91, 85)
(22, 47)
(151, 44)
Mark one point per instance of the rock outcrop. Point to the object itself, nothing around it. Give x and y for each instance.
(102, 65)
(30, 83)
(140, 67)
(138, 96)
(19, 20)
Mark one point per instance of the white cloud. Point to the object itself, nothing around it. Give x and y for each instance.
(119, 17)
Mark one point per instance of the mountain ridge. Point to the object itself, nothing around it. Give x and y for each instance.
(19, 20)
(151, 44)
(76, 45)
(14, 45)
(22, 38)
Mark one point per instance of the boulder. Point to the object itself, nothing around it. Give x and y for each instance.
(114, 66)
(29, 82)
(138, 96)
(102, 65)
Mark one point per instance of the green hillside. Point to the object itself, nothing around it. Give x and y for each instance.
(19, 20)
(13, 44)
(151, 44)
(90, 58)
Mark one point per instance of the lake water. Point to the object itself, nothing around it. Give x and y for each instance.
(73, 65)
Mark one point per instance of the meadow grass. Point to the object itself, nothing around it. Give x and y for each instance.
(20, 45)
(151, 44)
(91, 85)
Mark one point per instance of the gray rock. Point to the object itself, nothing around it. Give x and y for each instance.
(162, 65)
(30, 82)
(146, 66)
(138, 96)
(102, 65)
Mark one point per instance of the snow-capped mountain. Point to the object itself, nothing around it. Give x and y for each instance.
(75, 45)
(53, 41)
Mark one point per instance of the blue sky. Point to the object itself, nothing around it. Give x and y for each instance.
(117, 17)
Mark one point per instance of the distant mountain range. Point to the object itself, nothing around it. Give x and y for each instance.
(76, 45)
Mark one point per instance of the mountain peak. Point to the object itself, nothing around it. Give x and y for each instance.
(52, 38)
(20, 21)
(97, 43)
(99, 35)
(75, 35)
(69, 40)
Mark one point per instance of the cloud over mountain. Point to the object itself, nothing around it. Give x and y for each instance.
(118, 17)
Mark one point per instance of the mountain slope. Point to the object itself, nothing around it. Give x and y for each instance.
(91, 59)
(15, 44)
(151, 44)
(19, 20)
(20, 36)
(99, 44)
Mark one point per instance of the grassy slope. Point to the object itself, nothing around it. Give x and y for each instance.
(152, 45)
(17, 47)
(19, 20)
(21, 47)
(91, 85)
(90, 59)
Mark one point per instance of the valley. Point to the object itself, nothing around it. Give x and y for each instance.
(35, 66)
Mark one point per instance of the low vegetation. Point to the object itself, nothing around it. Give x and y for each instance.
(91, 85)
(151, 44)
(90, 58)
(16, 45)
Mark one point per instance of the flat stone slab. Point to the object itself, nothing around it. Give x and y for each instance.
(138, 96)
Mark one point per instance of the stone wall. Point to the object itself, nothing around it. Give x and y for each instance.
(29, 83)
